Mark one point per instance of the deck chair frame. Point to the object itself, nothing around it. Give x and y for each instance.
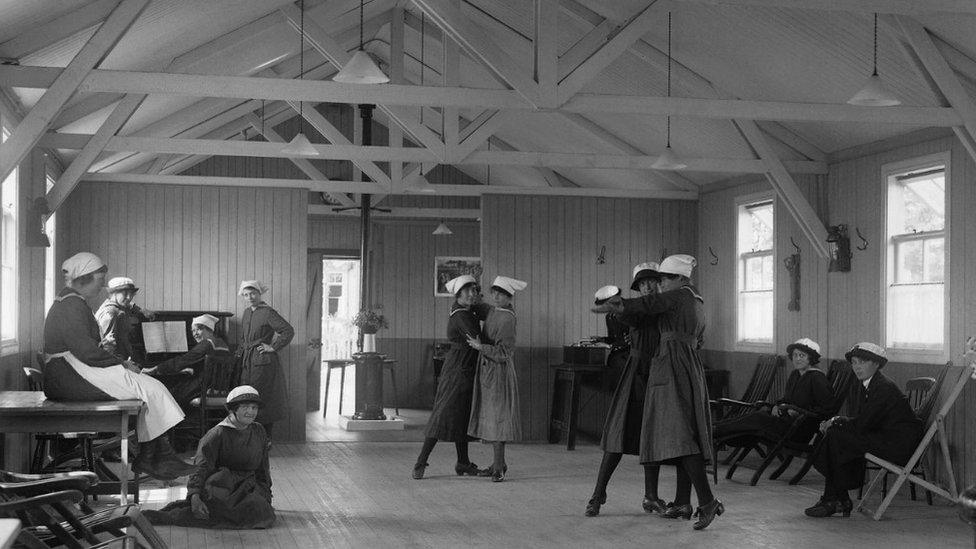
(904, 473)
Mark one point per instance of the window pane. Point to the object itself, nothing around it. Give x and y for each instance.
(756, 316)
(760, 227)
(935, 260)
(924, 203)
(916, 316)
(335, 291)
(911, 262)
(8, 257)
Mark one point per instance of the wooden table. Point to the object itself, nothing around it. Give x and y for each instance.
(330, 364)
(9, 528)
(564, 416)
(32, 412)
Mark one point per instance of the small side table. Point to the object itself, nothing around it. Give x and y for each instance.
(564, 416)
(340, 363)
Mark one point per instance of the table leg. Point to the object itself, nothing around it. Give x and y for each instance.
(328, 378)
(342, 386)
(573, 411)
(124, 451)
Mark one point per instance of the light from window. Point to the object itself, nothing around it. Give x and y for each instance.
(757, 274)
(915, 281)
(8, 256)
(50, 269)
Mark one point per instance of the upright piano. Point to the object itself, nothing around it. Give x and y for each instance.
(151, 359)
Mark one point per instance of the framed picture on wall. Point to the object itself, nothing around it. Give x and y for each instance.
(448, 267)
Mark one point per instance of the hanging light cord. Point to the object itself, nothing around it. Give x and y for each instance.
(423, 22)
(669, 76)
(875, 44)
(361, 42)
(263, 136)
(301, 68)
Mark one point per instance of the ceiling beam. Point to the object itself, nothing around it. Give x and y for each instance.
(789, 138)
(41, 36)
(904, 7)
(414, 154)
(545, 49)
(585, 47)
(33, 126)
(376, 188)
(397, 211)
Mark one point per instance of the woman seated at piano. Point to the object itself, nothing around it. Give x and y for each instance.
(181, 374)
(231, 486)
(77, 369)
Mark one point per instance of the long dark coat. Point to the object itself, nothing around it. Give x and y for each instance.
(809, 390)
(882, 423)
(261, 370)
(622, 428)
(452, 402)
(677, 421)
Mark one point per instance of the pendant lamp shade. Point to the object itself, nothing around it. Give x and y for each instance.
(300, 145)
(874, 94)
(361, 69)
(442, 230)
(668, 161)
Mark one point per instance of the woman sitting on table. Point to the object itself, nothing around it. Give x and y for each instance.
(806, 388)
(231, 486)
(882, 422)
(181, 374)
(77, 369)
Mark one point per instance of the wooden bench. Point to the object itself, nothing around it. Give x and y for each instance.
(32, 412)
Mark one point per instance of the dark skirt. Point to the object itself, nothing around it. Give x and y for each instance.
(841, 456)
(763, 425)
(452, 403)
(234, 500)
(622, 428)
(265, 374)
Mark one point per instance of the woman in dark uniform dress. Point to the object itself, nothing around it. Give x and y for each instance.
(807, 388)
(452, 403)
(231, 484)
(882, 423)
(181, 374)
(676, 425)
(621, 431)
(263, 334)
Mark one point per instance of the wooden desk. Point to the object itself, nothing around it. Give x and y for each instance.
(564, 416)
(32, 412)
(9, 528)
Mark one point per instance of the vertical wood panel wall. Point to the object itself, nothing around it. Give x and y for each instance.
(189, 248)
(553, 244)
(839, 309)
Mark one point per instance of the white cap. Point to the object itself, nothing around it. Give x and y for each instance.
(678, 264)
(80, 264)
(243, 393)
(874, 351)
(508, 285)
(208, 320)
(803, 342)
(454, 285)
(605, 293)
(254, 284)
(644, 270)
(121, 283)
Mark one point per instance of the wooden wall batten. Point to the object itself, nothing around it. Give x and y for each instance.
(189, 248)
(553, 244)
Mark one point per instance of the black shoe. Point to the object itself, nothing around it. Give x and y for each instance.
(674, 511)
(490, 471)
(469, 469)
(593, 506)
(498, 476)
(827, 508)
(707, 513)
(418, 470)
(654, 505)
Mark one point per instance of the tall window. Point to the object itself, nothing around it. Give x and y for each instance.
(916, 233)
(756, 276)
(8, 258)
(333, 283)
(50, 269)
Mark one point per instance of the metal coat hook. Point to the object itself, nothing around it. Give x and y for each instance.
(795, 245)
(714, 260)
(602, 257)
(864, 240)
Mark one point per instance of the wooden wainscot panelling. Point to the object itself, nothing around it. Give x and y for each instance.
(189, 248)
(553, 243)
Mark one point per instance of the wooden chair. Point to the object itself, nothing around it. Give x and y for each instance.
(221, 373)
(939, 401)
(916, 390)
(53, 512)
(753, 398)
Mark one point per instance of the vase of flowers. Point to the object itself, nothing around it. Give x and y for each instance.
(369, 322)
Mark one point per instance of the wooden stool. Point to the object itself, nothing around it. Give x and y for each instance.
(389, 365)
(340, 363)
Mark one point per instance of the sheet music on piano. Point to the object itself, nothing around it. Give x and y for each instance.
(165, 337)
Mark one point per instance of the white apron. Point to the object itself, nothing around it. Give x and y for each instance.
(159, 413)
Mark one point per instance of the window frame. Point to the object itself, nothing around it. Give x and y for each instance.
(11, 345)
(748, 345)
(889, 172)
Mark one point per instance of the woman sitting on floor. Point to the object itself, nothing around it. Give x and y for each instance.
(882, 423)
(231, 486)
(806, 388)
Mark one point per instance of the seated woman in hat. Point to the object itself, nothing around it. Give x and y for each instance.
(882, 422)
(495, 401)
(452, 402)
(78, 369)
(181, 374)
(231, 484)
(115, 318)
(806, 388)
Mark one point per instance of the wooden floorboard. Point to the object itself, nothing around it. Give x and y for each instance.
(360, 494)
